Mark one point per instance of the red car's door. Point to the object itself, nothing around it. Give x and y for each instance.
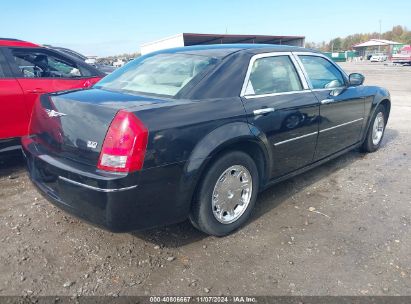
(14, 112)
(42, 71)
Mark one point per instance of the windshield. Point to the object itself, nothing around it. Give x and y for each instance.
(162, 74)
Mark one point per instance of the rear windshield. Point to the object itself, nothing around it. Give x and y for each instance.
(162, 74)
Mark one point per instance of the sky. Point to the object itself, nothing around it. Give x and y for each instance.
(109, 27)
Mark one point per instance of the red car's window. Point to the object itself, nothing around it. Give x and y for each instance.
(38, 64)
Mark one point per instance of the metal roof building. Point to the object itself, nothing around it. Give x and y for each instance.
(186, 39)
(376, 45)
(376, 42)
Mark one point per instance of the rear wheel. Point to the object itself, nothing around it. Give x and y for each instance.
(226, 195)
(376, 131)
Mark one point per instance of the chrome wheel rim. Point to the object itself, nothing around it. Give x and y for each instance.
(232, 194)
(378, 128)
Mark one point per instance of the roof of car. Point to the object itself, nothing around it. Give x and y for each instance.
(16, 42)
(222, 50)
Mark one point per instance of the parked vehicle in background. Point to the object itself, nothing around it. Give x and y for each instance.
(119, 63)
(404, 55)
(197, 132)
(28, 70)
(378, 58)
(91, 60)
(107, 69)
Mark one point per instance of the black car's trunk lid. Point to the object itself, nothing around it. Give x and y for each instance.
(73, 125)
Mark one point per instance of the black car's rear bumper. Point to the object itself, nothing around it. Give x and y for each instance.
(117, 202)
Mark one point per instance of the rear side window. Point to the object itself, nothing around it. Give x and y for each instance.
(39, 64)
(270, 75)
(321, 72)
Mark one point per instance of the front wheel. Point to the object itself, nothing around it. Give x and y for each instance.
(226, 195)
(376, 131)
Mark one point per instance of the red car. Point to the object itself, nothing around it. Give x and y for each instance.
(28, 70)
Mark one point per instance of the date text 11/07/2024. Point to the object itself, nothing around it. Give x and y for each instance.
(203, 299)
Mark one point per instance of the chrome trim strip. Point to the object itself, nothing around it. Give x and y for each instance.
(300, 73)
(341, 125)
(11, 148)
(295, 138)
(274, 94)
(272, 54)
(315, 133)
(302, 69)
(96, 188)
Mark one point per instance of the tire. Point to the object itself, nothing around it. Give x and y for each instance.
(216, 216)
(373, 141)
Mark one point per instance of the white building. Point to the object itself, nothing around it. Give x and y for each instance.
(186, 39)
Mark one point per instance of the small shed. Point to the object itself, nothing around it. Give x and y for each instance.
(186, 39)
(341, 56)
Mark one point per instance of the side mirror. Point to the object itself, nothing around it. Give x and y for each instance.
(356, 79)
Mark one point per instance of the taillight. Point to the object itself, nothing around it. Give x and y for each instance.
(125, 144)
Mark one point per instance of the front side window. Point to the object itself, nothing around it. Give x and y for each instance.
(321, 72)
(38, 64)
(162, 74)
(275, 74)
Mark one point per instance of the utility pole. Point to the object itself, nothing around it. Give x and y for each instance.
(380, 27)
(379, 47)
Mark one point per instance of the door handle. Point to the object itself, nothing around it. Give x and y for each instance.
(326, 101)
(263, 111)
(38, 90)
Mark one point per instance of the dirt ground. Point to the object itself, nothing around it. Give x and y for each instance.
(357, 244)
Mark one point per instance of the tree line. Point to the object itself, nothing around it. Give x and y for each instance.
(398, 34)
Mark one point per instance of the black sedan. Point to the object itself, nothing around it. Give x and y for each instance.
(196, 133)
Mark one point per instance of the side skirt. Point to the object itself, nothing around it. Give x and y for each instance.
(309, 167)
